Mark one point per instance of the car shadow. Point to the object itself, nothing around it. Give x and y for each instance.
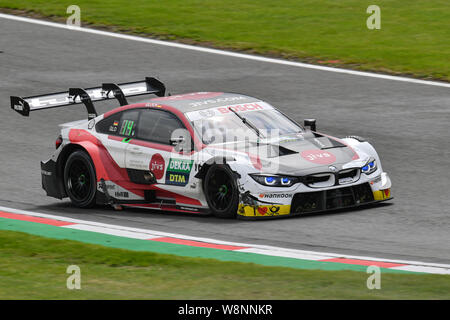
(67, 207)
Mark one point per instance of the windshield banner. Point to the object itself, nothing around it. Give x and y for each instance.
(218, 111)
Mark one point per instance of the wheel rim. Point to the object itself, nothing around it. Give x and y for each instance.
(79, 180)
(220, 190)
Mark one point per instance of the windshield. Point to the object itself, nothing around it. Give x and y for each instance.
(229, 127)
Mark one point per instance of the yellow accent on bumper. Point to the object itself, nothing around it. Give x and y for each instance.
(263, 210)
(382, 194)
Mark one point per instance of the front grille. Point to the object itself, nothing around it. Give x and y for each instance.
(316, 179)
(331, 199)
(320, 180)
(349, 176)
(348, 173)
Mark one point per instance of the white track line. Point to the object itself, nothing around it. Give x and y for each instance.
(423, 269)
(223, 52)
(112, 231)
(138, 233)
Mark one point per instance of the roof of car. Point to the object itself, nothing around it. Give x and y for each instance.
(204, 100)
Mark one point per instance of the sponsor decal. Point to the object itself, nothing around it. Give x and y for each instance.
(318, 156)
(382, 194)
(218, 100)
(46, 173)
(157, 166)
(176, 179)
(121, 194)
(376, 180)
(207, 113)
(189, 208)
(179, 165)
(153, 105)
(178, 171)
(275, 195)
(245, 107)
(241, 108)
(19, 107)
(108, 186)
(263, 210)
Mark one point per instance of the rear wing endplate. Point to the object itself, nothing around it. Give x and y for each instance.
(88, 96)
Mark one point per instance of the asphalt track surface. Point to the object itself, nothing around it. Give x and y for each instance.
(408, 124)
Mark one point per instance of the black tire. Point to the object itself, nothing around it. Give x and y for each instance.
(221, 191)
(80, 180)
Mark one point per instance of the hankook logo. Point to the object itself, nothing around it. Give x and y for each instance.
(275, 195)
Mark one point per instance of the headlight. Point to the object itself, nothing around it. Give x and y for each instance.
(369, 167)
(274, 181)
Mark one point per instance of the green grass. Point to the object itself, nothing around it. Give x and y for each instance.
(413, 40)
(33, 267)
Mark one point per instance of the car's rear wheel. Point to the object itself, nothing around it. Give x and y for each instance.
(80, 180)
(221, 191)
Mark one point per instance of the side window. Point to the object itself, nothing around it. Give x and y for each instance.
(122, 123)
(157, 126)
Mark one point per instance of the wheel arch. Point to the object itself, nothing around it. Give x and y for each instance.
(201, 174)
(221, 164)
(64, 155)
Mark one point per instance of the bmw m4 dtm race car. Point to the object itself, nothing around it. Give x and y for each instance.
(227, 154)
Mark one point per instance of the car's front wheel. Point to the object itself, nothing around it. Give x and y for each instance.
(221, 191)
(80, 180)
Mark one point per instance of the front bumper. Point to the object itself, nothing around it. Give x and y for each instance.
(297, 203)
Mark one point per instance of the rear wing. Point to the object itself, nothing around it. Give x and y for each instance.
(87, 96)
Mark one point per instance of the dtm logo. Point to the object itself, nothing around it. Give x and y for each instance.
(177, 179)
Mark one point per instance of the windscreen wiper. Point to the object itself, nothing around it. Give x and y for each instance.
(246, 122)
(333, 147)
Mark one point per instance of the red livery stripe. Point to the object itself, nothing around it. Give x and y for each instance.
(197, 243)
(22, 217)
(365, 262)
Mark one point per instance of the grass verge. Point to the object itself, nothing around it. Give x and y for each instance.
(412, 41)
(33, 267)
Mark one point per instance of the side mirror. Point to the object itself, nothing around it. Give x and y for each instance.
(176, 141)
(311, 123)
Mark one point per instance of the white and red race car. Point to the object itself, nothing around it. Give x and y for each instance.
(205, 152)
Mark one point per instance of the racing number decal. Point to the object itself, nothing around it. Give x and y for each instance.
(178, 172)
(127, 128)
